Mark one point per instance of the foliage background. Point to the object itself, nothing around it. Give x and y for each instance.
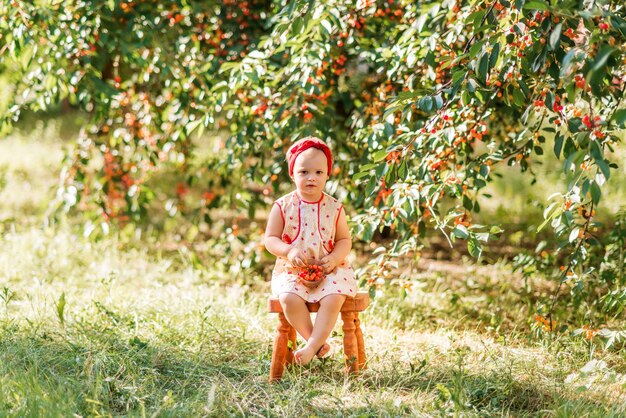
(480, 149)
(422, 102)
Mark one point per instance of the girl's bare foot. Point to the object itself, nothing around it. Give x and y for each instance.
(323, 351)
(304, 355)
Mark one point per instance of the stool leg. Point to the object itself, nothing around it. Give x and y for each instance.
(350, 348)
(291, 346)
(359, 341)
(279, 352)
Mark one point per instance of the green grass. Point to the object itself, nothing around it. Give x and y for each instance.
(120, 327)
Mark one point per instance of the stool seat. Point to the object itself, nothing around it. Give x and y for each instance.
(356, 304)
(353, 347)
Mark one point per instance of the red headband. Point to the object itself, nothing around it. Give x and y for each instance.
(304, 144)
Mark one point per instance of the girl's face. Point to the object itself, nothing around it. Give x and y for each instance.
(310, 172)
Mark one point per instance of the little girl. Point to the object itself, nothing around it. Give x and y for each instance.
(306, 227)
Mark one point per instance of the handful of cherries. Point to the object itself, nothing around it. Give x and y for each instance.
(311, 275)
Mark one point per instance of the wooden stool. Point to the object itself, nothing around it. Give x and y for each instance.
(353, 348)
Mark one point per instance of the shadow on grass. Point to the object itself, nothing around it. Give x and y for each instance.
(51, 374)
(436, 389)
(103, 372)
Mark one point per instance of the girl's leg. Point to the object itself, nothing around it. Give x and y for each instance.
(324, 323)
(299, 317)
(297, 313)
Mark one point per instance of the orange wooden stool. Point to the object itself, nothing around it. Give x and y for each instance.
(353, 348)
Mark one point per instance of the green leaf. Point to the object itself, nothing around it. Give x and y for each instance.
(552, 211)
(409, 95)
(596, 81)
(476, 48)
(403, 170)
(549, 99)
(381, 170)
(618, 23)
(477, 18)
(467, 203)
(378, 156)
(482, 236)
(484, 170)
(368, 232)
(596, 193)
(327, 26)
(422, 228)
(536, 5)
(493, 58)
(391, 176)
(483, 68)
(524, 88)
(566, 62)
(495, 230)
(460, 232)
(620, 118)
(518, 97)
(574, 125)
(192, 126)
(558, 145)
(296, 27)
(596, 151)
(602, 57)
(425, 103)
(451, 93)
(598, 157)
(540, 60)
(371, 186)
(360, 175)
(372, 292)
(604, 167)
(471, 85)
(527, 113)
(458, 75)
(474, 247)
(573, 236)
(585, 188)
(393, 108)
(438, 101)
(555, 36)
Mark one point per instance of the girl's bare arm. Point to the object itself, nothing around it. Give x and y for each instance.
(273, 240)
(343, 241)
(343, 245)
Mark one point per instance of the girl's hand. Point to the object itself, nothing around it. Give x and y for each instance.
(296, 257)
(329, 263)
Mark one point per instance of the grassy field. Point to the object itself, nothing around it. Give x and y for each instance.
(119, 327)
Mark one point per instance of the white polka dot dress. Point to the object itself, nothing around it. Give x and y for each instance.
(311, 227)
